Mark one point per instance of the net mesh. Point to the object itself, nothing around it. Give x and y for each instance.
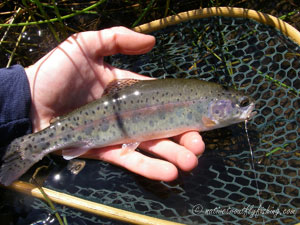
(241, 53)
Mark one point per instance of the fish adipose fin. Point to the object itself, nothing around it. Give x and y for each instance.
(116, 85)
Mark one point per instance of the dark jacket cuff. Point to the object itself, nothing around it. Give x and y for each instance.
(15, 103)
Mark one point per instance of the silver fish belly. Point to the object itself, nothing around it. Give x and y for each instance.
(130, 112)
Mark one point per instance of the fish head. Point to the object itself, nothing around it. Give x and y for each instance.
(230, 108)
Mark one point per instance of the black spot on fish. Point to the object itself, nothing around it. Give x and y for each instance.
(151, 123)
(135, 117)
(88, 130)
(79, 138)
(104, 126)
(47, 144)
(162, 115)
(199, 108)
(65, 139)
(171, 120)
(98, 108)
(42, 139)
(87, 113)
(190, 115)
(62, 128)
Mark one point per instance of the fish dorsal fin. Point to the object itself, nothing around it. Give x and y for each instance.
(116, 85)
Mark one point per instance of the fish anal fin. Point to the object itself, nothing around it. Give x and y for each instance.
(116, 85)
(129, 147)
(208, 122)
(71, 153)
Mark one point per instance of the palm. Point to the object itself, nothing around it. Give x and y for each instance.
(74, 73)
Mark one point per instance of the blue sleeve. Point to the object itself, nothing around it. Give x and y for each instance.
(15, 103)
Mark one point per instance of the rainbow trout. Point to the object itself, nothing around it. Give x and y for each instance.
(131, 111)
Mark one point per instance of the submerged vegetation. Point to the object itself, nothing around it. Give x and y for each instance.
(31, 28)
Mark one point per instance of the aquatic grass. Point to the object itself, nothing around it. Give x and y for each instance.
(167, 8)
(54, 19)
(284, 17)
(274, 150)
(278, 83)
(146, 10)
(46, 197)
(45, 15)
(16, 46)
(57, 13)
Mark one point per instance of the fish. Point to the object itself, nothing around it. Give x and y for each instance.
(131, 111)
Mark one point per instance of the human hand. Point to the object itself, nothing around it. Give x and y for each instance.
(74, 74)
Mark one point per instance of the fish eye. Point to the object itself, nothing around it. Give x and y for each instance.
(244, 102)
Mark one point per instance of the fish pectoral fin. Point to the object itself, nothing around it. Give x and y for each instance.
(116, 85)
(71, 153)
(129, 147)
(208, 122)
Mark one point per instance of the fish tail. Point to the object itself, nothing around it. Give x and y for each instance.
(15, 162)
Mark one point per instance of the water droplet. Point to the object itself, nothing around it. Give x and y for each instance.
(57, 177)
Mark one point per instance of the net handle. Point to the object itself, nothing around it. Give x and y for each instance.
(260, 17)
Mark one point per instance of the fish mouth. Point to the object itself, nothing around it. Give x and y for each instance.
(249, 113)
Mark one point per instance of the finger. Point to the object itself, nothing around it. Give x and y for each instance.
(192, 140)
(115, 40)
(136, 162)
(174, 153)
(116, 73)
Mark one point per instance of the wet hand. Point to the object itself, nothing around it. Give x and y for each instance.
(74, 74)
